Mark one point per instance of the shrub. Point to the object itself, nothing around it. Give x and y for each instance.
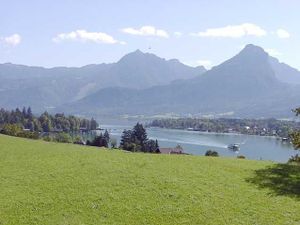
(47, 138)
(28, 134)
(100, 141)
(88, 142)
(211, 153)
(294, 159)
(78, 141)
(241, 157)
(17, 131)
(63, 138)
(11, 129)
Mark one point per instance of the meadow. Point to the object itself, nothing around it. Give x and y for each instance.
(51, 183)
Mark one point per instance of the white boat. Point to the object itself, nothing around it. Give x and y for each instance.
(234, 147)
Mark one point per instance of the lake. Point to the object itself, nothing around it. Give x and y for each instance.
(197, 143)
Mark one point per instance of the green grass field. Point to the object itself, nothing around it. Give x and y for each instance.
(50, 183)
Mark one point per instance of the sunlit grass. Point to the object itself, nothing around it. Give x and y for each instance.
(50, 183)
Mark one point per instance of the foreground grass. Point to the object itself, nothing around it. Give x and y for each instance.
(50, 183)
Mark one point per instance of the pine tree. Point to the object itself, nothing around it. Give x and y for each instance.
(150, 146)
(100, 141)
(24, 112)
(126, 142)
(140, 135)
(106, 136)
(93, 124)
(29, 113)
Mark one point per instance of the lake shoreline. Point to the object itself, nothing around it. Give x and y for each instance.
(253, 147)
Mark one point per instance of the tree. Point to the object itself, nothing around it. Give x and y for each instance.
(30, 125)
(11, 129)
(29, 113)
(127, 140)
(136, 140)
(211, 153)
(46, 125)
(106, 136)
(36, 125)
(63, 137)
(140, 135)
(151, 146)
(100, 141)
(295, 136)
(94, 124)
(24, 112)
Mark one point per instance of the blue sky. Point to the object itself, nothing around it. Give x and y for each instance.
(75, 33)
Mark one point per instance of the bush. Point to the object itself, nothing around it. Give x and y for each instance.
(241, 157)
(47, 138)
(17, 131)
(28, 134)
(11, 129)
(88, 142)
(294, 159)
(78, 141)
(63, 138)
(211, 153)
(99, 141)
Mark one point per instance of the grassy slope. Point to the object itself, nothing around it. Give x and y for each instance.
(49, 183)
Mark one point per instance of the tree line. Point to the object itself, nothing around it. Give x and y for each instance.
(45, 122)
(267, 127)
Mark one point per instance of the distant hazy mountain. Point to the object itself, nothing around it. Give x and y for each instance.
(141, 70)
(247, 85)
(44, 88)
(284, 72)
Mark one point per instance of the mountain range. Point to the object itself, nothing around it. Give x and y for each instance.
(250, 84)
(45, 89)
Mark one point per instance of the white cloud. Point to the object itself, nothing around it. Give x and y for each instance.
(12, 40)
(281, 33)
(273, 52)
(233, 31)
(178, 34)
(146, 31)
(84, 36)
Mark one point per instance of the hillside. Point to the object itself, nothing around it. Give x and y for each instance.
(244, 86)
(49, 183)
(284, 72)
(44, 89)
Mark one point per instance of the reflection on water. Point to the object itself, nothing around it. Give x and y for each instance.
(197, 143)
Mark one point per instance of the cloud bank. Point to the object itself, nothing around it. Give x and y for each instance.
(233, 31)
(281, 33)
(85, 36)
(12, 40)
(146, 31)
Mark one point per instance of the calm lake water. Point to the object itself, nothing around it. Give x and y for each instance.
(197, 143)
